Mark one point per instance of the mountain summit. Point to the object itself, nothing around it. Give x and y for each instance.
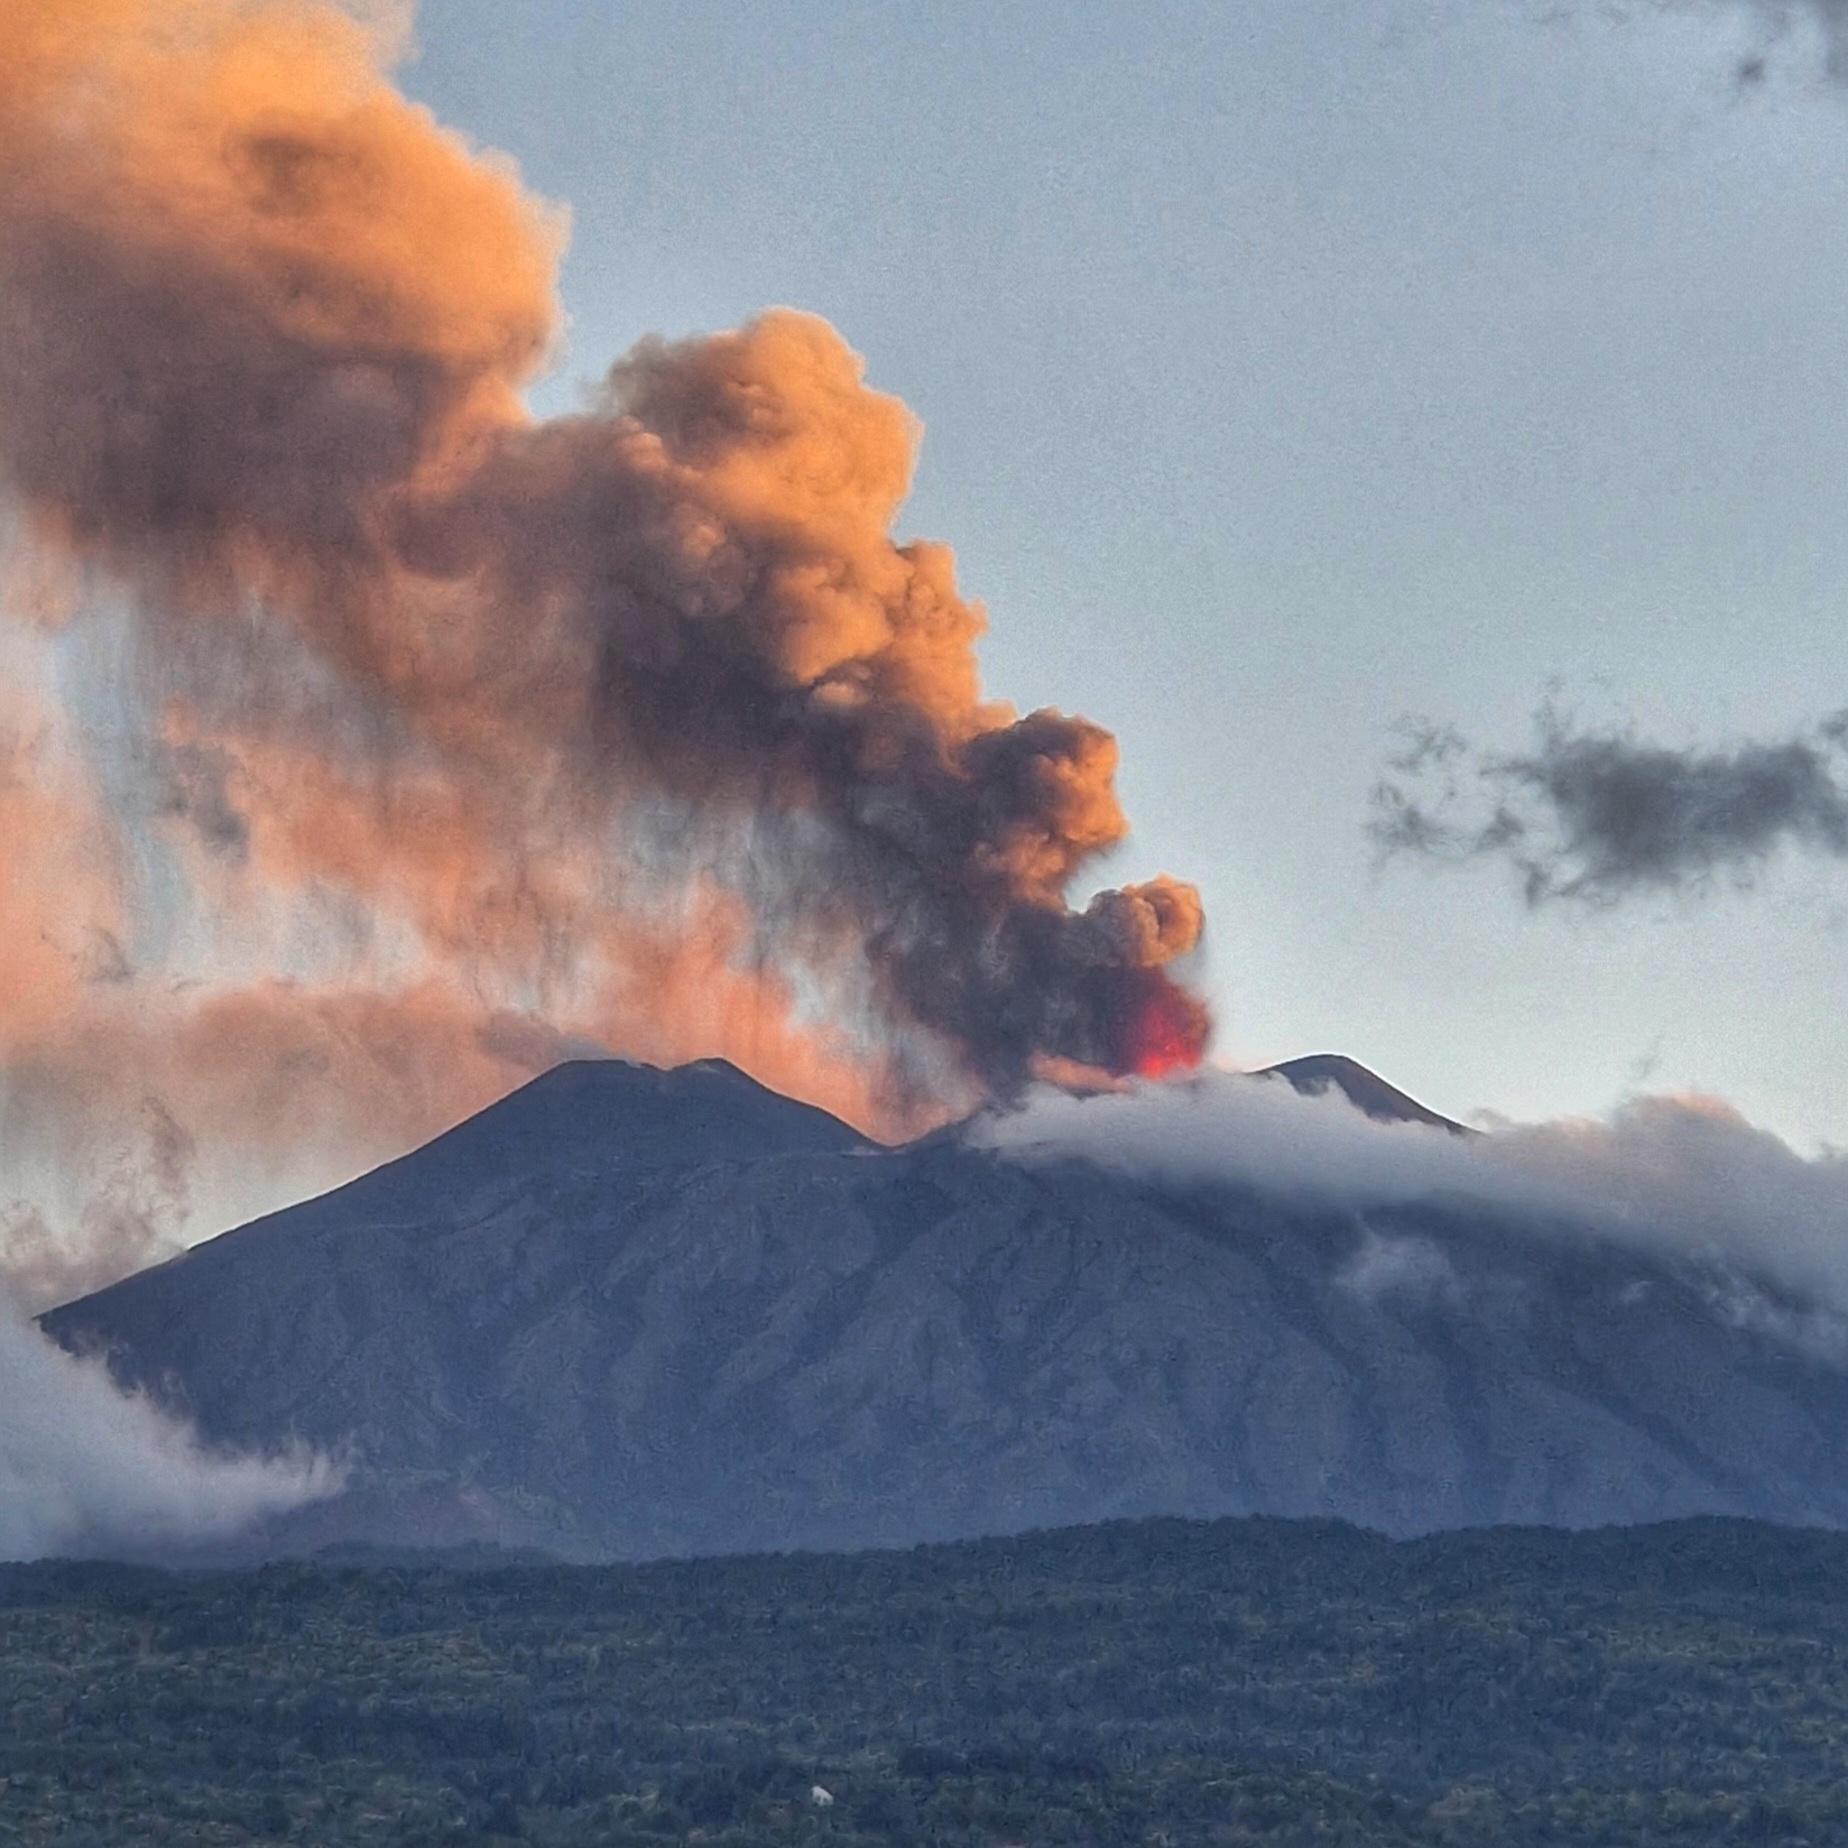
(1367, 1091)
(636, 1312)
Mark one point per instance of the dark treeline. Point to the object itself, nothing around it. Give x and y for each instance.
(1164, 1681)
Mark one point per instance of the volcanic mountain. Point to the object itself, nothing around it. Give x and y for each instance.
(635, 1312)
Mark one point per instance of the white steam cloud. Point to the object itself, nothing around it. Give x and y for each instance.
(88, 1469)
(1683, 1180)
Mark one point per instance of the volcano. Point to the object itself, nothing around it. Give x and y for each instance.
(628, 1312)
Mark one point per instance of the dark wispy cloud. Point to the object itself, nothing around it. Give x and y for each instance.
(1828, 17)
(1598, 816)
(1777, 27)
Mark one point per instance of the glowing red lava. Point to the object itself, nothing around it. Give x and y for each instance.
(1166, 1031)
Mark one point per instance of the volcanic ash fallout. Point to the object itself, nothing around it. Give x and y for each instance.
(502, 737)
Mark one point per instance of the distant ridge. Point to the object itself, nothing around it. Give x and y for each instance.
(1367, 1091)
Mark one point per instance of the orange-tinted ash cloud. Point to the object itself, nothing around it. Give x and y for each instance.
(495, 686)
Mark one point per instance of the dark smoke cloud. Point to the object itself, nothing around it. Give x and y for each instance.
(1601, 816)
(364, 742)
(1828, 17)
(1775, 21)
(263, 333)
(743, 633)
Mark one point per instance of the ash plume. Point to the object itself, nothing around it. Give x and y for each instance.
(635, 726)
(133, 1218)
(1596, 817)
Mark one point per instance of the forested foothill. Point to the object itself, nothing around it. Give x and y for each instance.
(1158, 1681)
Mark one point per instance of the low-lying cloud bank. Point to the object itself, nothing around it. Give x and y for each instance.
(1681, 1179)
(86, 1469)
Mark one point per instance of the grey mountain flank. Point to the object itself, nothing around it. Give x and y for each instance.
(631, 1312)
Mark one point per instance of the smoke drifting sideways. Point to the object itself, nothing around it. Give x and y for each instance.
(375, 734)
(1685, 1181)
(1597, 817)
(1829, 18)
(88, 1470)
(1774, 22)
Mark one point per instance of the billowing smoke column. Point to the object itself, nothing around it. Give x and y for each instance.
(479, 688)
(735, 627)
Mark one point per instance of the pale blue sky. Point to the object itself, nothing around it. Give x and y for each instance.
(1287, 367)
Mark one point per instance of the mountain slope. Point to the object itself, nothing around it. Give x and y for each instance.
(639, 1313)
